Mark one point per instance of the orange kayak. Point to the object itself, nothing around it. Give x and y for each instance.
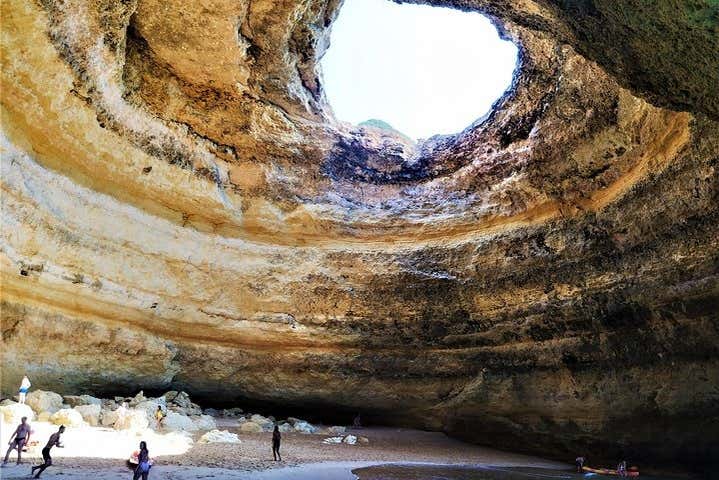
(607, 471)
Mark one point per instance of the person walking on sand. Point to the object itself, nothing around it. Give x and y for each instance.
(276, 439)
(24, 388)
(579, 462)
(18, 439)
(53, 441)
(143, 463)
(622, 468)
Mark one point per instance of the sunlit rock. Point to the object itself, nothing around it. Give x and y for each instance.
(219, 436)
(68, 417)
(250, 427)
(90, 413)
(12, 413)
(43, 401)
(131, 419)
(176, 422)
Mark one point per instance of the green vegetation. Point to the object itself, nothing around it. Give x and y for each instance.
(381, 124)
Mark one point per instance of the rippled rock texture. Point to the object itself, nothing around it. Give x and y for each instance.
(181, 210)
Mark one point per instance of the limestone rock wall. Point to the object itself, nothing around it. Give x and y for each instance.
(180, 209)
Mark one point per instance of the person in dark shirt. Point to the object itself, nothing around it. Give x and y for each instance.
(579, 462)
(18, 439)
(53, 441)
(276, 439)
(143, 463)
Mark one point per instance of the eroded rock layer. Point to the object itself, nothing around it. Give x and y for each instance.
(181, 210)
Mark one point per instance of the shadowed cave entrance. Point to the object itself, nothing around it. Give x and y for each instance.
(416, 69)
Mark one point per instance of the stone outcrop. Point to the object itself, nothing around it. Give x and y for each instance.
(219, 436)
(250, 427)
(181, 210)
(12, 413)
(44, 401)
(131, 419)
(81, 400)
(90, 413)
(68, 417)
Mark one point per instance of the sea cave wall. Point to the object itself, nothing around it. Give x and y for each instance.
(181, 209)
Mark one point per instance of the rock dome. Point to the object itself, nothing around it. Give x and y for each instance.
(182, 210)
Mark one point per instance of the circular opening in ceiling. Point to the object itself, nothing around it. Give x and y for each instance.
(421, 70)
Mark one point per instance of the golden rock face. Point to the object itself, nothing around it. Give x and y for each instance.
(180, 209)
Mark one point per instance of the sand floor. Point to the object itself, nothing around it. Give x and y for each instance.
(304, 457)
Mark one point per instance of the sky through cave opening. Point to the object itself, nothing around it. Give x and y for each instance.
(423, 70)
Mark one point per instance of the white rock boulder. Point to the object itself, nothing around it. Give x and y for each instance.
(219, 436)
(12, 413)
(43, 401)
(331, 440)
(175, 422)
(260, 420)
(150, 407)
(139, 398)
(90, 413)
(131, 419)
(336, 430)
(108, 417)
(250, 427)
(204, 422)
(285, 427)
(67, 417)
(305, 427)
(349, 440)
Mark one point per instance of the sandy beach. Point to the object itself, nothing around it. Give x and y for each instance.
(303, 456)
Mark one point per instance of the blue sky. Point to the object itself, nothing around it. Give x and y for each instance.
(424, 70)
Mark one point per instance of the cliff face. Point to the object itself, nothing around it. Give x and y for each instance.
(180, 209)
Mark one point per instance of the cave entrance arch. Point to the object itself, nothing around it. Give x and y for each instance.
(422, 70)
